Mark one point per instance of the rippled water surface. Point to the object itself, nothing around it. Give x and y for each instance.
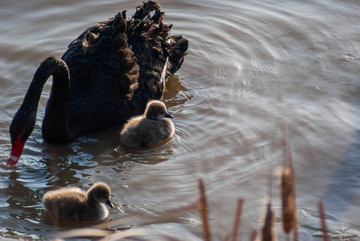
(250, 65)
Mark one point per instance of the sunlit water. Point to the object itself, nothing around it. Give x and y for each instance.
(251, 65)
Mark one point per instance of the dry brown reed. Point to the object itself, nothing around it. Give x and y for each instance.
(268, 233)
(288, 201)
(322, 220)
(237, 219)
(203, 208)
(288, 196)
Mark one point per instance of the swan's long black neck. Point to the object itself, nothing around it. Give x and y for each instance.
(56, 120)
(55, 126)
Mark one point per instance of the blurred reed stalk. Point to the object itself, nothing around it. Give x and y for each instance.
(288, 185)
(237, 219)
(203, 208)
(322, 220)
(253, 236)
(268, 233)
(288, 200)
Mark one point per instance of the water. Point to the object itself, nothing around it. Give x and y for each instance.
(248, 62)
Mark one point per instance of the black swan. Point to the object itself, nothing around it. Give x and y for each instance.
(107, 75)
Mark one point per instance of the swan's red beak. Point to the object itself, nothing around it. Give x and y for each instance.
(16, 150)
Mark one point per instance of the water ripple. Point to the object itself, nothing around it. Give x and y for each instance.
(247, 61)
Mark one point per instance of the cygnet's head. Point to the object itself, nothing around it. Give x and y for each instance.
(156, 110)
(100, 192)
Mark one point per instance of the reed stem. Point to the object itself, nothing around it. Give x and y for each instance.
(203, 208)
(322, 220)
(237, 219)
(268, 229)
(288, 185)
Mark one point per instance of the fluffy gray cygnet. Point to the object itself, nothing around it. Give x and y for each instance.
(148, 129)
(75, 204)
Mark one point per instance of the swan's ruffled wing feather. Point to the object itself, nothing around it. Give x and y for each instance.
(101, 59)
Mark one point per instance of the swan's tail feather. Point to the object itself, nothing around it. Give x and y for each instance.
(178, 51)
(175, 47)
(143, 12)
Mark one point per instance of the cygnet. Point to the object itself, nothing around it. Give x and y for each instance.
(148, 129)
(75, 204)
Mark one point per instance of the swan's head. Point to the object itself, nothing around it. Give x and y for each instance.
(21, 127)
(100, 192)
(156, 110)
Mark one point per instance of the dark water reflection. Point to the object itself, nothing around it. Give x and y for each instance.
(247, 61)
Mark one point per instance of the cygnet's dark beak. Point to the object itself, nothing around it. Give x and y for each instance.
(167, 115)
(109, 203)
